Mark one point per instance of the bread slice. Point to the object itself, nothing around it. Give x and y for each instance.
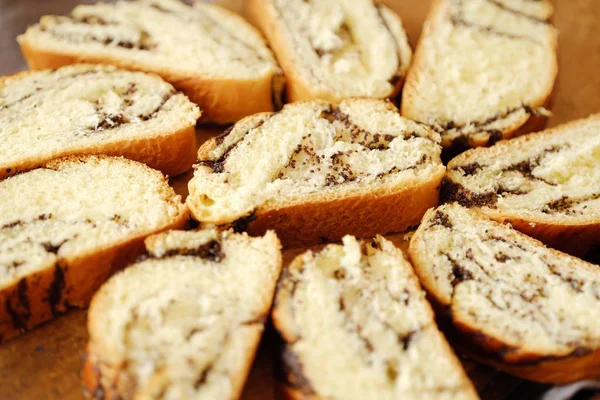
(546, 184)
(211, 54)
(316, 172)
(356, 325)
(66, 226)
(483, 70)
(513, 303)
(333, 50)
(185, 322)
(94, 109)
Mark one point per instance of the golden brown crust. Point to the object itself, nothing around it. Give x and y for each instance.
(572, 239)
(262, 14)
(91, 376)
(222, 100)
(532, 123)
(359, 215)
(559, 371)
(283, 387)
(291, 393)
(416, 60)
(171, 153)
(70, 282)
(524, 140)
(240, 379)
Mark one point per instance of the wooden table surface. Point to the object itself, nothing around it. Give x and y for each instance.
(45, 363)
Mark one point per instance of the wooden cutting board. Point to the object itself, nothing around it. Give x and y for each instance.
(45, 363)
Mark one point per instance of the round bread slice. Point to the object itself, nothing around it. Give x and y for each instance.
(333, 50)
(66, 226)
(356, 325)
(483, 70)
(211, 54)
(510, 301)
(185, 321)
(94, 109)
(546, 184)
(316, 172)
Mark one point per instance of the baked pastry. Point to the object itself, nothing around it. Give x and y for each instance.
(546, 184)
(192, 324)
(512, 302)
(211, 54)
(94, 109)
(66, 226)
(333, 50)
(356, 325)
(483, 70)
(315, 172)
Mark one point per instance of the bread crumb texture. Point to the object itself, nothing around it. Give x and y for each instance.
(76, 206)
(184, 322)
(548, 177)
(165, 35)
(53, 112)
(337, 46)
(311, 151)
(482, 69)
(534, 302)
(357, 325)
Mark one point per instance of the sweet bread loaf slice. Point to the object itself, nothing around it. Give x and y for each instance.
(546, 184)
(315, 172)
(511, 302)
(356, 325)
(211, 54)
(94, 109)
(66, 226)
(333, 50)
(483, 70)
(185, 322)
